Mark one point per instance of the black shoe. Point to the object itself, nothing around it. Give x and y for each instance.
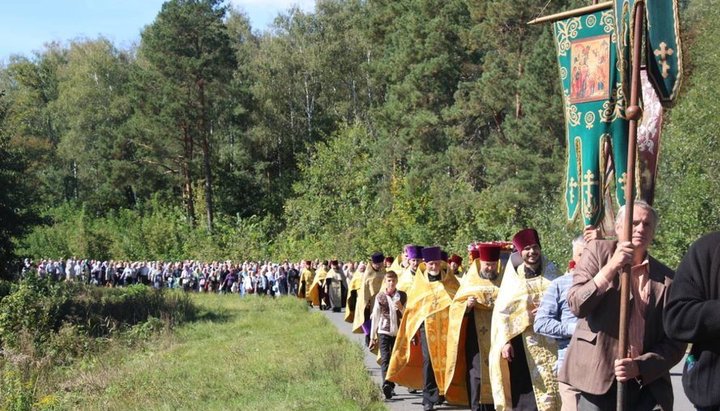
(413, 391)
(388, 391)
(441, 400)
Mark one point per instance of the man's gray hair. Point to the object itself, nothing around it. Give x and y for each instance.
(578, 241)
(638, 203)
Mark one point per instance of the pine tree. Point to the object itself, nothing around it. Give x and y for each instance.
(188, 54)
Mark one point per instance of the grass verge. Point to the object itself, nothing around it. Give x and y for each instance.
(242, 354)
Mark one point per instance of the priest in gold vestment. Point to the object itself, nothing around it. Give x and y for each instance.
(468, 344)
(521, 361)
(316, 293)
(306, 278)
(353, 288)
(413, 261)
(370, 285)
(335, 287)
(425, 318)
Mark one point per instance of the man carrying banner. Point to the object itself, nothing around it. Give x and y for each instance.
(470, 315)
(516, 348)
(590, 362)
(426, 318)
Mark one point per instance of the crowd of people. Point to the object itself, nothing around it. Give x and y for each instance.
(504, 331)
(508, 331)
(249, 277)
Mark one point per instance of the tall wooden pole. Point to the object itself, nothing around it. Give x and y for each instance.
(573, 13)
(633, 113)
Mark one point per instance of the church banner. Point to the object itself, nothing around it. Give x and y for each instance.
(663, 54)
(648, 139)
(663, 49)
(594, 111)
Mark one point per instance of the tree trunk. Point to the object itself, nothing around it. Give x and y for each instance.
(187, 176)
(518, 103)
(208, 182)
(207, 170)
(309, 108)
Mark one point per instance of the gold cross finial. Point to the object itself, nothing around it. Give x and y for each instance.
(662, 53)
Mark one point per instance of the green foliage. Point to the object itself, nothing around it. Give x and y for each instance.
(33, 125)
(32, 312)
(152, 232)
(15, 195)
(186, 58)
(339, 186)
(36, 309)
(5, 288)
(690, 155)
(358, 127)
(44, 325)
(17, 392)
(95, 142)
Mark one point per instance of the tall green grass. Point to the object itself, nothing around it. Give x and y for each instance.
(49, 329)
(242, 354)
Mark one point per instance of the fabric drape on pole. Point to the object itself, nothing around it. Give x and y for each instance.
(663, 51)
(648, 140)
(594, 111)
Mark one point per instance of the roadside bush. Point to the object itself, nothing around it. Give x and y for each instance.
(32, 308)
(5, 287)
(40, 311)
(44, 324)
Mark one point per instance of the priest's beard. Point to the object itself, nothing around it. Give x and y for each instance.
(489, 275)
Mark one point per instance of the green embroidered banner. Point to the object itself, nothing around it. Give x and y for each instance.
(663, 54)
(594, 111)
(664, 51)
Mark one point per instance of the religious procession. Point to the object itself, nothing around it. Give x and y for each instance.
(508, 330)
(235, 177)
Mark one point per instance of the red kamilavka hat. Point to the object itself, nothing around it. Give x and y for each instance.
(526, 237)
(489, 252)
(455, 259)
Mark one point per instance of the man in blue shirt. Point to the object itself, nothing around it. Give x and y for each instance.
(554, 319)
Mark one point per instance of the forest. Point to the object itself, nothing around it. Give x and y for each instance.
(361, 126)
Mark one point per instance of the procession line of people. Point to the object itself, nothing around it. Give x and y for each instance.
(508, 331)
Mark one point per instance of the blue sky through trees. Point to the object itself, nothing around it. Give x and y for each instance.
(28, 25)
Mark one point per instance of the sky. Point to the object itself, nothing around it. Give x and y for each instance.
(27, 25)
